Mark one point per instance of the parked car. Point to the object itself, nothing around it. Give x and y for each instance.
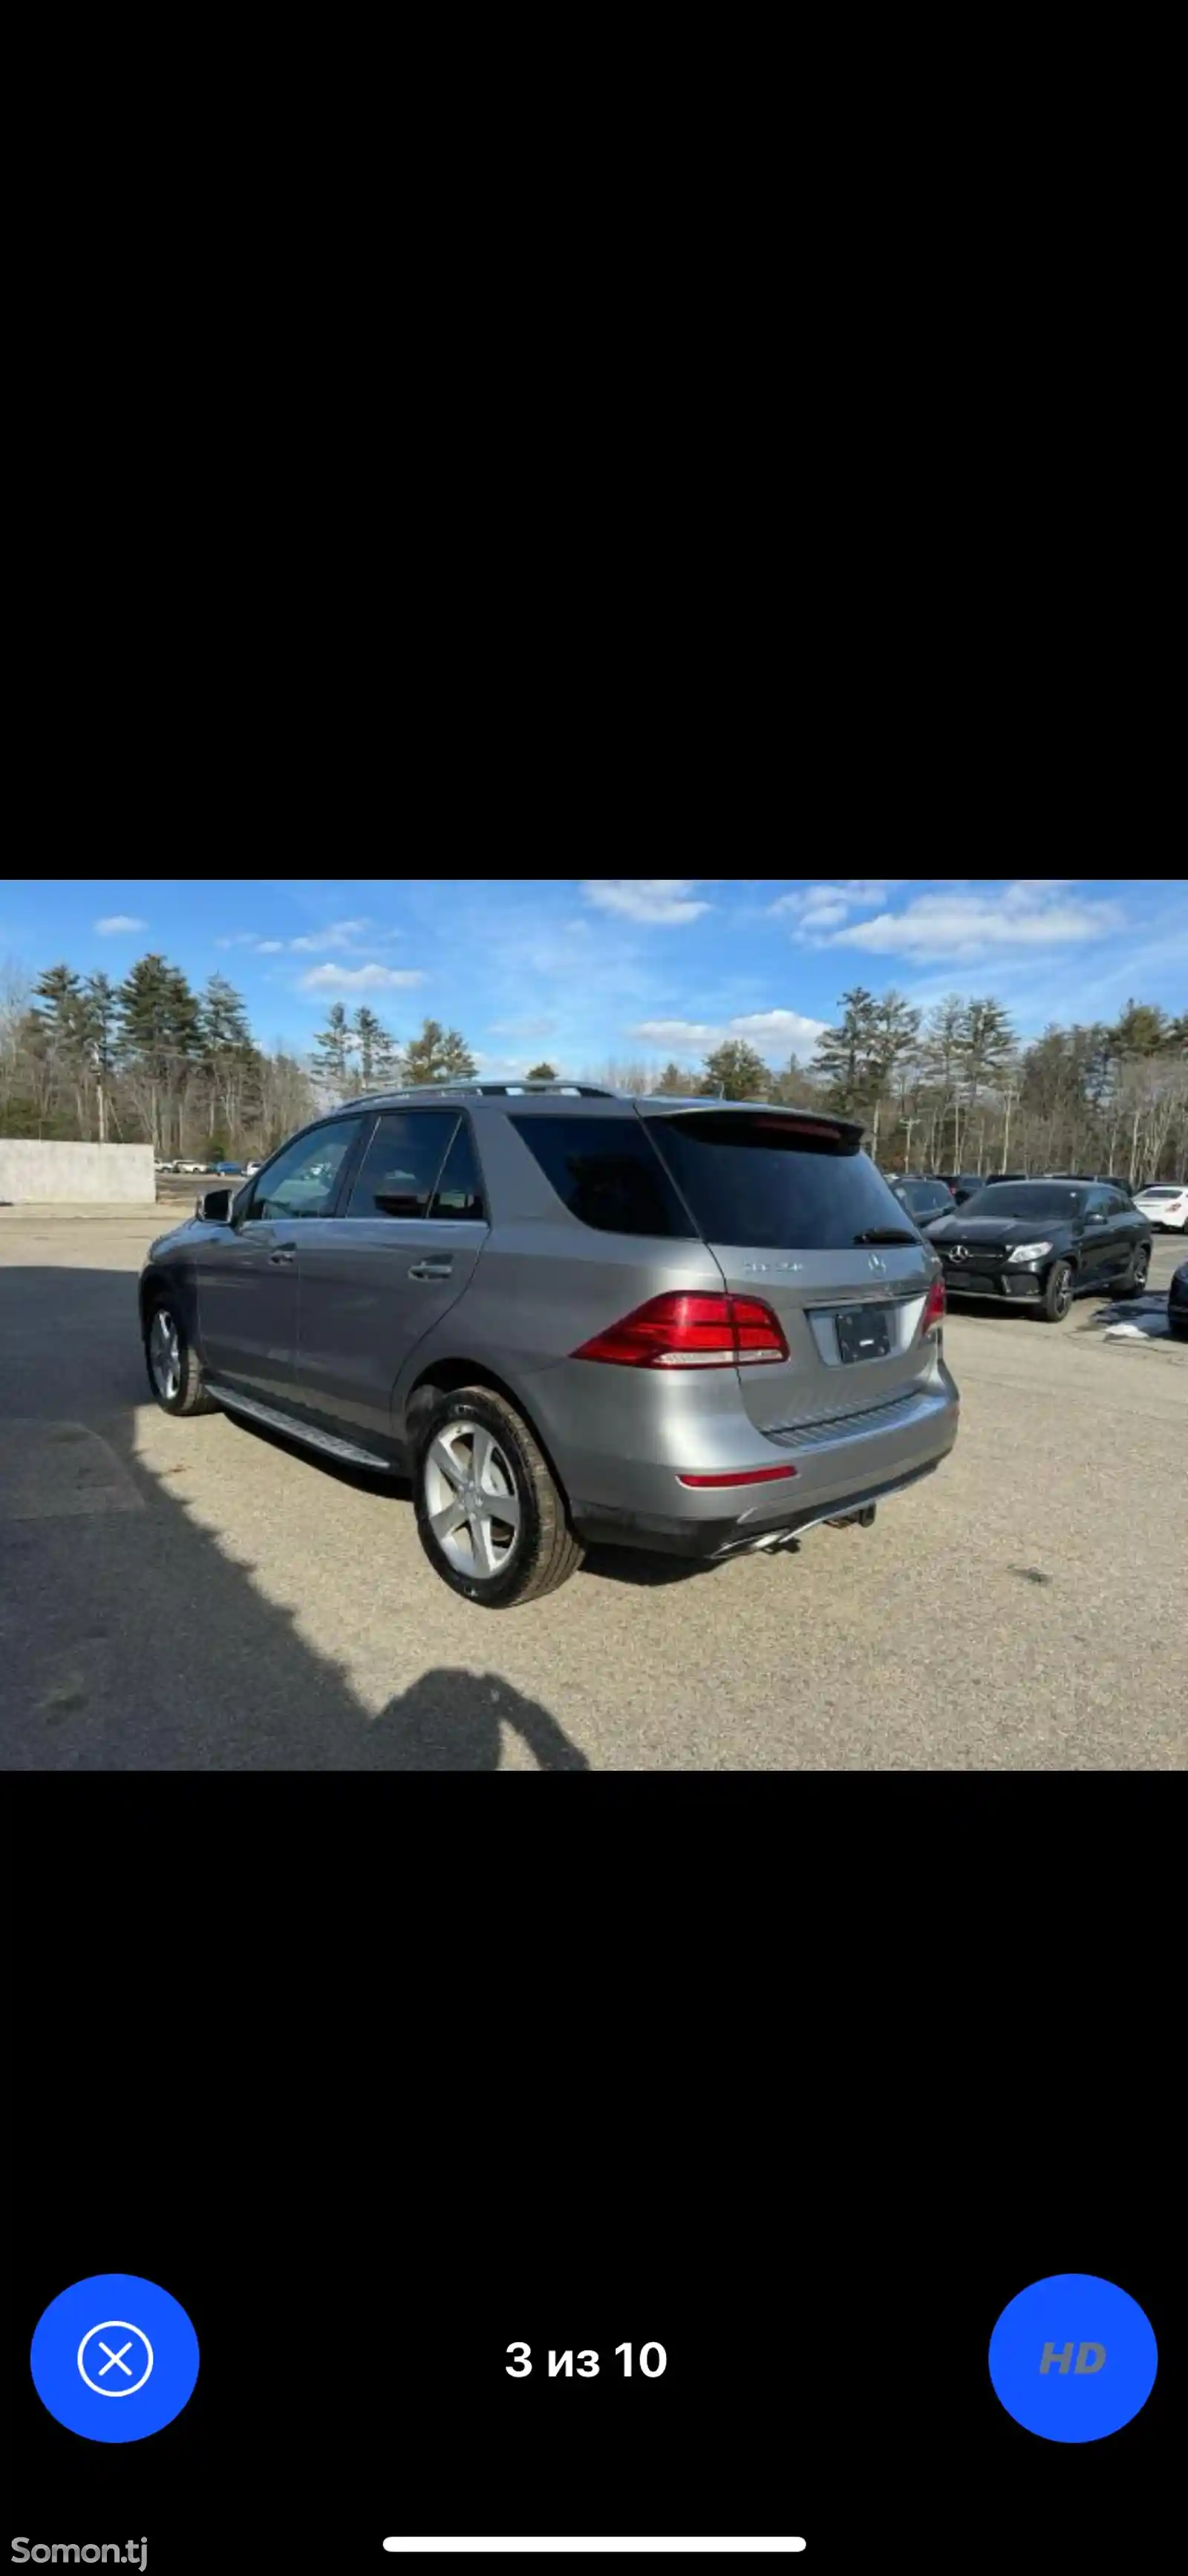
(570, 1316)
(1042, 1243)
(1177, 1303)
(962, 1184)
(250, 1168)
(1166, 1204)
(923, 1200)
(191, 1167)
(227, 1167)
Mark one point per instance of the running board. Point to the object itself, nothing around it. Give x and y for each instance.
(274, 1420)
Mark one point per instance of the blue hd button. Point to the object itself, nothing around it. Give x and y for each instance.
(1073, 2358)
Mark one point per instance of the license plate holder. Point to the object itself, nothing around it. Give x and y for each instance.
(863, 1332)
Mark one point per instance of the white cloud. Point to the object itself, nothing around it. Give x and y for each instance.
(117, 921)
(268, 947)
(359, 979)
(341, 934)
(774, 1034)
(964, 927)
(648, 899)
(851, 894)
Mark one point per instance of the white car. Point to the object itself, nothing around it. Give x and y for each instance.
(1165, 1203)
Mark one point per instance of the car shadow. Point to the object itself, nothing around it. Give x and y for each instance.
(129, 1640)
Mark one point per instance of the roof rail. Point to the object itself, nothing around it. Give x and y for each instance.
(484, 1090)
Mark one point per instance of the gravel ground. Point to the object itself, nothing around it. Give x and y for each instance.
(197, 1595)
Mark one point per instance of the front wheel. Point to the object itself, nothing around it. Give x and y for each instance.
(174, 1368)
(1058, 1292)
(490, 1515)
(1136, 1277)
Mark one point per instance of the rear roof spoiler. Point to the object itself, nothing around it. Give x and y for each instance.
(815, 1122)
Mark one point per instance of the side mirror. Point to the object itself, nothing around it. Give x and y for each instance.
(214, 1206)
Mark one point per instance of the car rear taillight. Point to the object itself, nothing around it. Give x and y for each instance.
(678, 1330)
(934, 1311)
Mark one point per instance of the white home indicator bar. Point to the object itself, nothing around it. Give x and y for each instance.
(712, 2548)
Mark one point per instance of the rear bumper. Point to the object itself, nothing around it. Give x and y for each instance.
(708, 1540)
(836, 1472)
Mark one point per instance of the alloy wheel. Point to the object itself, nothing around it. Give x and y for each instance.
(165, 1355)
(471, 1500)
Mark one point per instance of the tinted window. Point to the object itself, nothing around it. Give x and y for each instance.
(1117, 1203)
(303, 1181)
(399, 1169)
(606, 1174)
(459, 1192)
(765, 1181)
(1044, 1199)
(922, 1195)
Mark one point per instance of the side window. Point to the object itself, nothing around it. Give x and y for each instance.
(303, 1181)
(459, 1192)
(607, 1173)
(399, 1169)
(1098, 1202)
(1118, 1203)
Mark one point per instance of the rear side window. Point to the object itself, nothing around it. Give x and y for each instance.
(605, 1172)
(459, 1192)
(398, 1173)
(766, 1182)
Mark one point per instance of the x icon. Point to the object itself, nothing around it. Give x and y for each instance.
(117, 2357)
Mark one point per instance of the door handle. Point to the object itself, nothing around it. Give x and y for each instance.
(283, 1255)
(431, 1269)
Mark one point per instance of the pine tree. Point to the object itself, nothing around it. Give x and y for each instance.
(438, 1055)
(378, 1055)
(735, 1072)
(541, 1073)
(844, 1054)
(160, 1037)
(333, 1052)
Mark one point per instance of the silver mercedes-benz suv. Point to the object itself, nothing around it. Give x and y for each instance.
(571, 1317)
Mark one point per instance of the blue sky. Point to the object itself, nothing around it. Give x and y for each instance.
(585, 969)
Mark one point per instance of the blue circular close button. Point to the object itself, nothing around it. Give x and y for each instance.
(114, 2358)
(1073, 2358)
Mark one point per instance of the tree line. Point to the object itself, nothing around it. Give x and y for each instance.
(956, 1089)
(152, 1060)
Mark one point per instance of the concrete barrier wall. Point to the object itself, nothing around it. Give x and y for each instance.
(39, 1173)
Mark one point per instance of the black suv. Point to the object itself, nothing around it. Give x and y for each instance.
(1043, 1243)
(924, 1200)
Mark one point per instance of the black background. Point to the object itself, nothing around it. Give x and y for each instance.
(805, 2109)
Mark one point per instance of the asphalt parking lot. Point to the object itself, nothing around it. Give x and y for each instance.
(196, 1595)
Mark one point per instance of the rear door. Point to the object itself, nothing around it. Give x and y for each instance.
(795, 1214)
(393, 1260)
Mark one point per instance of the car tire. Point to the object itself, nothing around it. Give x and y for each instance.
(473, 1445)
(1058, 1292)
(1135, 1282)
(175, 1372)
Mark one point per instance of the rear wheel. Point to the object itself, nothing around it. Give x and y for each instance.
(1058, 1292)
(1136, 1277)
(490, 1515)
(174, 1368)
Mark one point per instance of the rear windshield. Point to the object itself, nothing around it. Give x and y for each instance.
(767, 1182)
(1026, 1199)
(1163, 1190)
(924, 1194)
